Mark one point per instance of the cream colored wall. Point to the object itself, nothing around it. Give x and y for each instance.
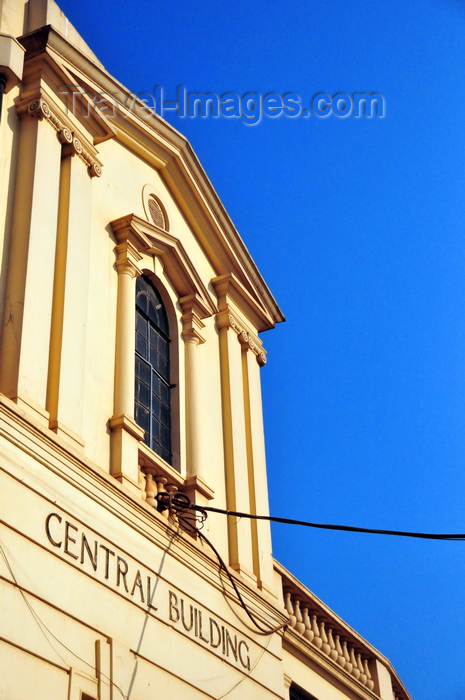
(12, 17)
(58, 354)
(58, 366)
(138, 648)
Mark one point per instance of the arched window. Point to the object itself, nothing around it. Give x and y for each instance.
(152, 408)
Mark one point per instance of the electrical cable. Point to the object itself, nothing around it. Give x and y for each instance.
(322, 526)
(262, 631)
(192, 517)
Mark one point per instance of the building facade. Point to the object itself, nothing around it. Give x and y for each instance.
(130, 361)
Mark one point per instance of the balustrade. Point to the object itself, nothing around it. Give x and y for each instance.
(151, 483)
(324, 635)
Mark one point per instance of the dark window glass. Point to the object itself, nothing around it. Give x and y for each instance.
(153, 396)
(297, 693)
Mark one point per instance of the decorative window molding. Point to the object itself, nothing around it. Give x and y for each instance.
(145, 237)
(137, 239)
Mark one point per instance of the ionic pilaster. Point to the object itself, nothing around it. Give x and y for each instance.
(25, 339)
(192, 325)
(127, 258)
(126, 434)
(39, 108)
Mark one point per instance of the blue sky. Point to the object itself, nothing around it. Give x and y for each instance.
(358, 227)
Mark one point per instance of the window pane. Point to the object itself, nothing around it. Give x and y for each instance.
(164, 415)
(154, 358)
(164, 393)
(163, 368)
(143, 417)
(164, 437)
(143, 394)
(141, 325)
(143, 371)
(156, 403)
(141, 345)
(156, 382)
(164, 348)
(153, 336)
(142, 302)
(155, 429)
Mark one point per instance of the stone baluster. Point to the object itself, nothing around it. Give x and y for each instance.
(150, 487)
(317, 640)
(141, 482)
(325, 646)
(333, 651)
(340, 654)
(289, 609)
(369, 683)
(348, 665)
(308, 634)
(299, 625)
(355, 672)
(363, 677)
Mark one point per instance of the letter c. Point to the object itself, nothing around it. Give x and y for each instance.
(316, 105)
(47, 528)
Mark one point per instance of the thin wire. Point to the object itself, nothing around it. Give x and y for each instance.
(262, 631)
(265, 648)
(344, 528)
(31, 609)
(42, 624)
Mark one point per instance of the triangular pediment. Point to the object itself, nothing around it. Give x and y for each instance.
(161, 146)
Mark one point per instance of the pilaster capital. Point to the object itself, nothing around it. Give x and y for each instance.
(193, 312)
(248, 341)
(127, 259)
(41, 108)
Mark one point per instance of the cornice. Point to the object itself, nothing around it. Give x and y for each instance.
(229, 289)
(167, 150)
